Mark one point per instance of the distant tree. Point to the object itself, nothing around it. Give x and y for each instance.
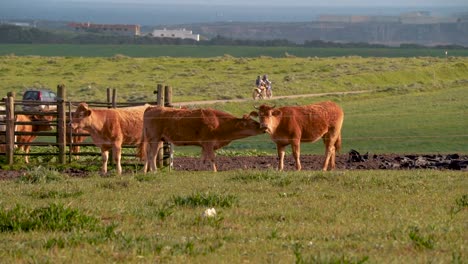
(16, 34)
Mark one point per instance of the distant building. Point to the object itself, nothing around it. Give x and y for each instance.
(358, 19)
(116, 29)
(175, 33)
(424, 17)
(18, 24)
(418, 17)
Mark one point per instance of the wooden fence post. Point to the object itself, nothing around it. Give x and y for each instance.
(10, 127)
(108, 98)
(168, 147)
(160, 102)
(114, 95)
(69, 130)
(61, 123)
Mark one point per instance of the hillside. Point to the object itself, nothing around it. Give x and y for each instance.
(387, 33)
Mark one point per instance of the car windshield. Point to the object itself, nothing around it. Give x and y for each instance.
(32, 95)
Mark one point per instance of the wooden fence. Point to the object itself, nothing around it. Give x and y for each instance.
(61, 110)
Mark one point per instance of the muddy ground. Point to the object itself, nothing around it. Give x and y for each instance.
(343, 162)
(350, 161)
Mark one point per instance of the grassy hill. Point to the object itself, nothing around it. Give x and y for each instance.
(224, 77)
(416, 105)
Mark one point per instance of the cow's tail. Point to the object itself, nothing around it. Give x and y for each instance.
(141, 153)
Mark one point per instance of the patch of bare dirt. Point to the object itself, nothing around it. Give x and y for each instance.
(344, 162)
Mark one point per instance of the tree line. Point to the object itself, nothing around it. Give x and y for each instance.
(11, 34)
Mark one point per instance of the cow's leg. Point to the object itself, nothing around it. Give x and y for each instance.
(212, 160)
(155, 155)
(152, 153)
(331, 165)
(296, 149)
(117, 156)
(146, 146)
(281, 151)
(209, 154)
(26, 150)
(332, 141)
(329, 152)
(105, 158)
(336, 145)
(332, 159)
(147, 157)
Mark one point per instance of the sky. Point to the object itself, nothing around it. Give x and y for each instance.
(306, 2)
(337, 3)
(163, 12)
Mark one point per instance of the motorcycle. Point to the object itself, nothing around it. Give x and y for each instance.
(269, 93)
(262, 92)
(259, 93)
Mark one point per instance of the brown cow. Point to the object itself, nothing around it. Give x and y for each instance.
(208, 128)
(75, 139)
(110, 129)
(296, 124)
(31, 128)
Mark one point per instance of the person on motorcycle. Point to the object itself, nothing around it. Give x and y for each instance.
(259, 90)
(258, 82)
(266, 82)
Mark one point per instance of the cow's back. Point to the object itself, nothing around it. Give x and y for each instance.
(122, 125)
(131, 123)
(309, 122)
(178, 125)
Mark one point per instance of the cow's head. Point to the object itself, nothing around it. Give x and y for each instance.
(79, 117)
(249, 126)
(42, 122)
(268, 116)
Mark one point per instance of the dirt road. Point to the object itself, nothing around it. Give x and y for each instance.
(274, 97)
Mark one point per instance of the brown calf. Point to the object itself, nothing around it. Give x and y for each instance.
(110, 129)
(30, 128)
(291, 125)
(210, 129)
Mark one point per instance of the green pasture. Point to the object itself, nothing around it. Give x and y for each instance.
(400, 121)
(414, 216)
(146, 51)
(224, 77)
(410, 105)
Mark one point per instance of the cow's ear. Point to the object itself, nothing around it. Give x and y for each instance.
(276, 112)
(87, 112)
(253, 113)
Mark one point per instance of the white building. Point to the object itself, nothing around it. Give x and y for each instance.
(175, 33)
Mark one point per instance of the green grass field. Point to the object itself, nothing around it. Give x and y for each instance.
(412, 105)
(262, 217)
(146, 51)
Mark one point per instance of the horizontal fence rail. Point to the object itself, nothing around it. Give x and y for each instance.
(61, 112)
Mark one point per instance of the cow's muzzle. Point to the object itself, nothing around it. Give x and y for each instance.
(73, 125)
(264, 127)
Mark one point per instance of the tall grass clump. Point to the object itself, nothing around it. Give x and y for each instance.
(56, 194)
(208, 199)
(41, 174)
(54, 217)
(460, 204)
(275, 178)
(301, 259)
(419, 240)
